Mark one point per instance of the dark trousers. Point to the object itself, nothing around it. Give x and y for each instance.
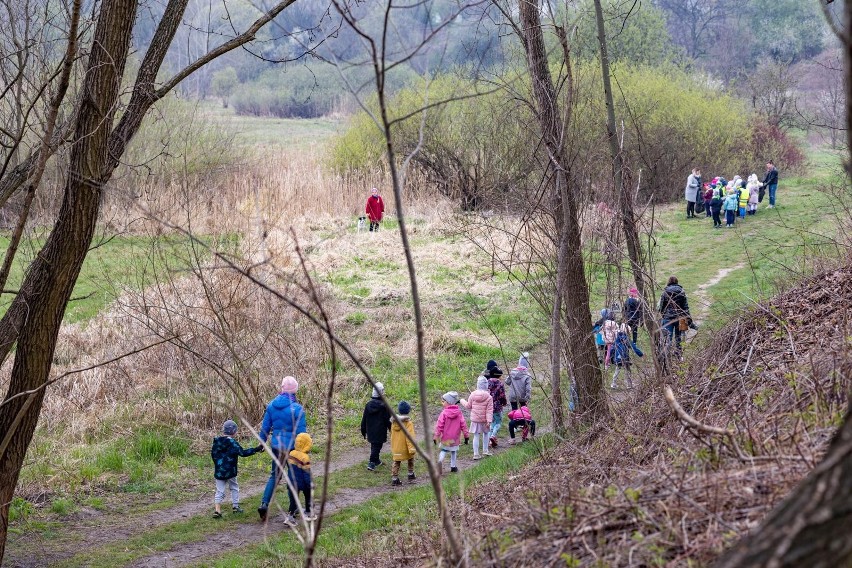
(294, 498)
(375, 450)
(690, 209)
(730, 217)
(716, 220)
(634, 327)
(706, 208)
(374, 225)
(673, 330)
(518, 403)
(520, 424)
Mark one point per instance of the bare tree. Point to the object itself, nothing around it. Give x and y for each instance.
(773, 90)
(695, 24)
(33, 320)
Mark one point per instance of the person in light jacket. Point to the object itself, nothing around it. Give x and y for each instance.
(519, 384)
(481, 406)
(693, 185)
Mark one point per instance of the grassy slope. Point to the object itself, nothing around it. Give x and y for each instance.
(461, 319)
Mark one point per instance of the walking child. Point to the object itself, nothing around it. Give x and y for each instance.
(299, 476)
(449, 429)
(520, 386)
(481, 406)
(521, 418)
(621, 355)
(753, 193)
(609, 330)
(225, 452)
(708, 198)
(744, 195)
(375, 424)
(498, 395)
(402, 447)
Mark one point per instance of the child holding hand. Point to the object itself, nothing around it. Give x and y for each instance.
(225, 452)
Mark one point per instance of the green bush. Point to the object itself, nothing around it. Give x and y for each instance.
(20, 509)
(62, 506)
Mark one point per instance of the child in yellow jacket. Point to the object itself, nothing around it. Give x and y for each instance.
(402, 447)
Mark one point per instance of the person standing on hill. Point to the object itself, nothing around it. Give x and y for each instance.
(375, 425)
(693, 185)
(375, 209)
(283, 420)
(770, 182)
(675, 310)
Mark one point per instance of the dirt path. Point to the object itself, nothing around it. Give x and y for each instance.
(701, 297)
(101, 530)
(248, 534)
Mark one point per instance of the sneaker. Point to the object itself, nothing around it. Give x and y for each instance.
(411, 477)
(309, 516)
(217, 515)
(454, 470)
(771, 207)
(396, 481)
(487, 453)
(477, 457)
(371, 466)
(237, 510)
(513, 441)
(380, 462)
(289, 520)
(262, 511)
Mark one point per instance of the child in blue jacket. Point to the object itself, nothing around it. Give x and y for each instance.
(732, 203)
(225, 452)
(621, 355)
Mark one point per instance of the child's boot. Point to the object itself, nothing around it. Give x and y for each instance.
(411, 477)
(262, 510)
(237, 509)
(454, 470)
(396, 481)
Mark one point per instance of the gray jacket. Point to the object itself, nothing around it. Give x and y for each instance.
(519, 385)
(692, 187)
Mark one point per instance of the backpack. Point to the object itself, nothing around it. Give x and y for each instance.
(621, 349)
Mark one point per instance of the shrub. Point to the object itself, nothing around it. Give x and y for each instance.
(20, 509)
(62, 506)
(769, 142)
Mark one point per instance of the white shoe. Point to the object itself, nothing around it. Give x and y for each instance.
(487, 453)
(771, 207)
(477, 457)
(289, 520)
(612, 386)
(310, 516)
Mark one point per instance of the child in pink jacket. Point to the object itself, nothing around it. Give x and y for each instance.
(449, 429)
(521, 418)
(481, 406)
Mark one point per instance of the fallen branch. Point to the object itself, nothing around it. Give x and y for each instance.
(684, 417)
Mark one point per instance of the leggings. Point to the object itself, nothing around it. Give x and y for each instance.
(294, 498)
(476, 437)
(374, 225)
(453, 455)
(496, 422)
(690, 209)
(717, 221)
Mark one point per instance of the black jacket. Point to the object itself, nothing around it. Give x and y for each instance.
(225, 452)
(376, 421)
(673, 304)
(633, 311)
(771, 177)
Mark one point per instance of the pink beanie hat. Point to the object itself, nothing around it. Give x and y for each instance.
(289, 385)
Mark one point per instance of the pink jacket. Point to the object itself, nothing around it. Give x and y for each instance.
(450, 426)
(522, 413)
(481, 406)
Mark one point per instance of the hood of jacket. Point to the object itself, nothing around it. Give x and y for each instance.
(674, 289)
(479, 397)
(402, 418)
(282, 401)
(374, 406)
(304, 443)
(452, 411)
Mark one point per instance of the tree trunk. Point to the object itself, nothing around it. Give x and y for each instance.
(578, 320)
(51, 277)
(811, 527)
(625, 197)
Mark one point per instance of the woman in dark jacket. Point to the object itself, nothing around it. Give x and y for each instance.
(674, 307)
(633, 312)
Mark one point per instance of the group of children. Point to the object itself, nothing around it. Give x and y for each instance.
(485, 404)
(737, 197)
(615, 341)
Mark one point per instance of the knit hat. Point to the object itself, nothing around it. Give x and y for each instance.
(633, 291)
(451, 397)
(491, 364)
(289, 385)
(482, 383)
(404, 407)
(378, 390)
(495, 372)
(229, 427)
